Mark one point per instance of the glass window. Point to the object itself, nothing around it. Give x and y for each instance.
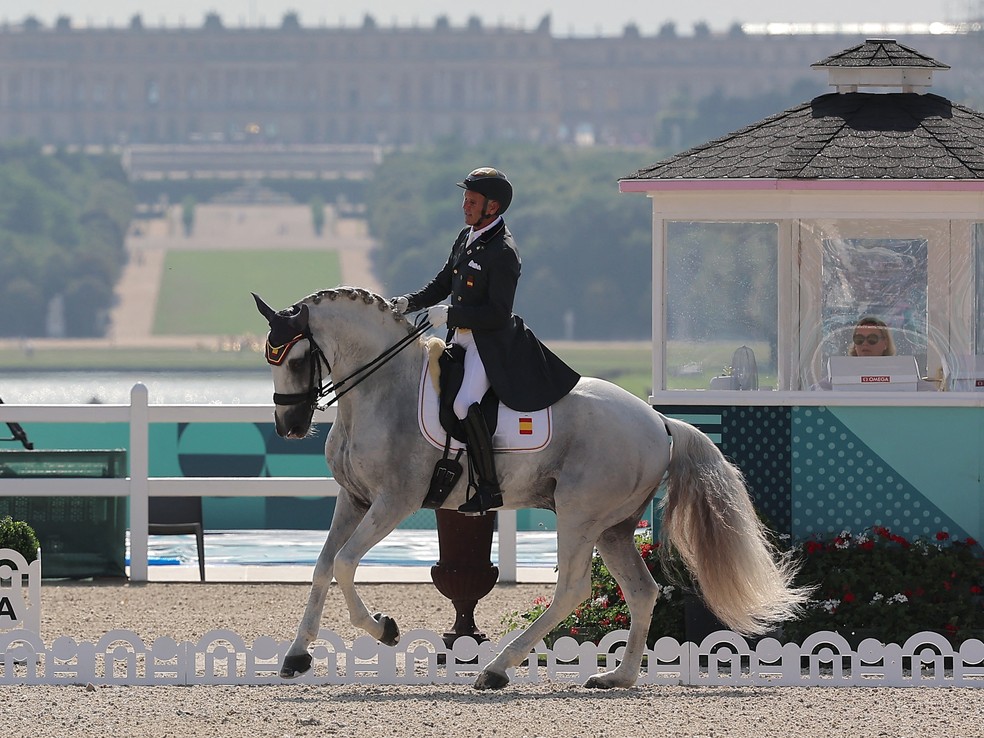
(881, 278)
(721, 295)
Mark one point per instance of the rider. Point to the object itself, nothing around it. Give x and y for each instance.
(481, 275)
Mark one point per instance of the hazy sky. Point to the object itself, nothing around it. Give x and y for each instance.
(578, 17)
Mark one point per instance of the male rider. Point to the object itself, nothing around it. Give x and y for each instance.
(481, 275)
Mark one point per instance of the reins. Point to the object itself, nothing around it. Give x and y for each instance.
(318, 390)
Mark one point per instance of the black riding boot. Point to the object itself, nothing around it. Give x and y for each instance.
(488, 494)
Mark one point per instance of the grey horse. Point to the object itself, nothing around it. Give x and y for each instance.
(609, 454)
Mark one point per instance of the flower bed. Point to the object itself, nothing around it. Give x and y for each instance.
(874, 583)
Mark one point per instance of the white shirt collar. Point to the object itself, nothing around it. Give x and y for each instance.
(473, 234)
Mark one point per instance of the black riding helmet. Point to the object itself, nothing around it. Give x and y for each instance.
(491, 183)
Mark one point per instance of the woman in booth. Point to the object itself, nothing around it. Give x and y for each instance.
(871, 338)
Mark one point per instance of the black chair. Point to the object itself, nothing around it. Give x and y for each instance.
(179, 516)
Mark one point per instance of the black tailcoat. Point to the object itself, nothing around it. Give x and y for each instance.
(481, 279)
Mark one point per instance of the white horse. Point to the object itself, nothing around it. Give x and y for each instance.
(609, 453)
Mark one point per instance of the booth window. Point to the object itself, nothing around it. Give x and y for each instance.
(885, 278)
(721, 296)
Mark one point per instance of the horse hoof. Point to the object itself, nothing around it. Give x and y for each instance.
(596, 682)
(491, 680)
(391, 631)
(294, 666)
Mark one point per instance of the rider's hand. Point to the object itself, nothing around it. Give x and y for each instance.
(400, 304)
(438, 315)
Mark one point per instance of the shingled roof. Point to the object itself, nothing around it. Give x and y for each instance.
(853, 135)
(880, 52)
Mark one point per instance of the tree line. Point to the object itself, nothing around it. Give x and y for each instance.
(63, 220)
(586, 249)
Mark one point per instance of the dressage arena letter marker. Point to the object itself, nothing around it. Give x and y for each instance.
(7, 611)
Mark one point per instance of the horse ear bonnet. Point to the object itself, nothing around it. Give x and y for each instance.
(285, 324)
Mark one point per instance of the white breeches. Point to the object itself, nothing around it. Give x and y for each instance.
(476, 382)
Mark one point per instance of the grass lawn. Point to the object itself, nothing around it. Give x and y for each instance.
(207, 292)
(628, 367)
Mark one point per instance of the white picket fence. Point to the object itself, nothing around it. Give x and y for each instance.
(121, 657)
(138, 486)
(222, 657)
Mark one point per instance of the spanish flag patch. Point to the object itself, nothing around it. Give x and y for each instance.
(525, 426)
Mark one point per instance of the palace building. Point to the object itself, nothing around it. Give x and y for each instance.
(396, 86)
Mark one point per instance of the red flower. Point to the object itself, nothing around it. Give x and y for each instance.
(881, 531)
(942, 535)
(848, 597)
(574, 631)
(971, 542)
(812, 547)
(867, 545)
(975, 589)
(950, 628)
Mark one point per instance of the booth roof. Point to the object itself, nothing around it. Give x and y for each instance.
(852, 135)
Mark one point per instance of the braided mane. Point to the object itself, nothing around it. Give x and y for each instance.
(366, 296)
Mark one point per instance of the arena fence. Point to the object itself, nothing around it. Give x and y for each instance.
(222, 657)
(121, 657)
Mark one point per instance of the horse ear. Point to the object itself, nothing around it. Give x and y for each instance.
(301, 319)
(265, 310)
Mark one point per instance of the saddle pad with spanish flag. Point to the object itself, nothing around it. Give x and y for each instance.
(516, 432)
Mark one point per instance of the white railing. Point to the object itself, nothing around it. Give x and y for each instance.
(139, 486)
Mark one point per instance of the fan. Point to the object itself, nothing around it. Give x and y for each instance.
(744, 372)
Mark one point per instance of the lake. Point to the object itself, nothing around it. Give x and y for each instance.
(113, 387)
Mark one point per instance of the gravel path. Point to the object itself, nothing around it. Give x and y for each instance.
(186, 611)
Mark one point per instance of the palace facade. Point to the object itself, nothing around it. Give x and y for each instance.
(397, 86)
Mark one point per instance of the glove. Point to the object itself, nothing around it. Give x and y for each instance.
(401, 304)
(438, 315)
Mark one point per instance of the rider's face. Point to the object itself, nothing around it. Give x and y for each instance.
(472, 205)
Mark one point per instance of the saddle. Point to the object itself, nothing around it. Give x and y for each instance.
(447, 471)
(513, 431)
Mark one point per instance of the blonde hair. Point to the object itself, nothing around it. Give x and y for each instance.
(886, 334)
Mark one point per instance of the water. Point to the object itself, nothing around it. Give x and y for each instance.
(301, 548)
(113, 387)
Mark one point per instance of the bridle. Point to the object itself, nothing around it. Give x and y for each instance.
(318, 389)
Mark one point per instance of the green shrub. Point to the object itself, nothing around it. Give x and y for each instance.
(19, 536)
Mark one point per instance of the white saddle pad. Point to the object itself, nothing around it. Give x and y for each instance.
(516, 432)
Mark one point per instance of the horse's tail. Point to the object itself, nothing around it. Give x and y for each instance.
(709, 520)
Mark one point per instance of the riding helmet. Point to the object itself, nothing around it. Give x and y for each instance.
(492, 183)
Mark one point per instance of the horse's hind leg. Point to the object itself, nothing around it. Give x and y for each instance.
(617, 548)
(573, 587)
(345, 520)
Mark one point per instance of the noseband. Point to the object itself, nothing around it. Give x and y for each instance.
(318, 389)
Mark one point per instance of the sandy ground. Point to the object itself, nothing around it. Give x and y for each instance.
(185, 611)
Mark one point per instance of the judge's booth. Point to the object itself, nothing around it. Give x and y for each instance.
(754, 322)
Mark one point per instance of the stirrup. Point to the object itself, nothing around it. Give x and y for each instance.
(482, 501)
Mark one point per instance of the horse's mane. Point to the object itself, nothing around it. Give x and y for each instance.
(366, 296)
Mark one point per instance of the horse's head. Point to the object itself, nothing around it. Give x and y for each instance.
(290, 353)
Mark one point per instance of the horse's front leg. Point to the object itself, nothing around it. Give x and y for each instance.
(379, 522)
(345, 520)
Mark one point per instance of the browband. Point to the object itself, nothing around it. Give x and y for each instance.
(275, 354)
